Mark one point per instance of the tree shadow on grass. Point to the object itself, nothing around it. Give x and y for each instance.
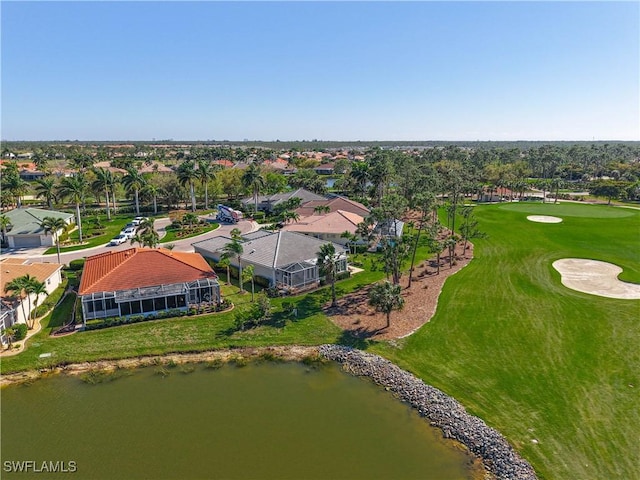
(358, 338)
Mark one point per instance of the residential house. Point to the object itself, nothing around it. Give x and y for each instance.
(154, 167)
(11, 310)
(324, 169)
(284, 259)
(145, 281)
(328, 227)
(336, 203)
(25, 230)
(266, 203)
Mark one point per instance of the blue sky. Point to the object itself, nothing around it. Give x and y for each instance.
(325, 70)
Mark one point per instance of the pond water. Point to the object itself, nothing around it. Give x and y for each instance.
(262, 421)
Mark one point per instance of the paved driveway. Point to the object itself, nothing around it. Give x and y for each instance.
(37, 254)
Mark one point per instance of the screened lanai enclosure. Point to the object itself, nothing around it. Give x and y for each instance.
(302, 274)
(297, 275)
(151, 300)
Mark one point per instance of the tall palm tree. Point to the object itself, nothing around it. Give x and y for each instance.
(134, 181)
(29, 284)
(103, 182)
(187, 175)
(234, 249)
(4, 226)
(360, 174)
(386, 297)
(17, 289)
(46, 188)
(224, 262)
(206, 172)
(327, 264)
(252, 178)
(75, 188)
(53, 225)
(152, 191)
(248, 274)
(37, 288)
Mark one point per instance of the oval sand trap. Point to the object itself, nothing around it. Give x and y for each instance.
(595, 277)
(543, 219)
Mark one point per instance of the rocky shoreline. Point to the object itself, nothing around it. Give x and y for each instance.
(441, 410)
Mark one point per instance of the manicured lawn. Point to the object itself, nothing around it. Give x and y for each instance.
(111, 229)
(532, 358)
(172, 235)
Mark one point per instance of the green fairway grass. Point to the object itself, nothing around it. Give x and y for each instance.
(536, 360)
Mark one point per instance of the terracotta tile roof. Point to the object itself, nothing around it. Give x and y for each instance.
(337, 203)
(141, 267)
(10, 270)
(336, 222)
(224, 163)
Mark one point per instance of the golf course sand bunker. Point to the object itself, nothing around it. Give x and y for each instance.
(596, 278)
(544, 219)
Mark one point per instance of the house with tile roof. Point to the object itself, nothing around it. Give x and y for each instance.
(284, 259)
(336, 203)
(328, 226)
(25, 230)
(266, 203)
(145, 281)
(11, 305)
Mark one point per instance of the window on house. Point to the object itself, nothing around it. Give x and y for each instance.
(147, 305)
(159, 304)
(135, 307)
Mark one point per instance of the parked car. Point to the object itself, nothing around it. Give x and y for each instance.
(120, 239)
(138, 220)
(129, 232)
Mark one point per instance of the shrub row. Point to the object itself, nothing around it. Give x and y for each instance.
(173, 313)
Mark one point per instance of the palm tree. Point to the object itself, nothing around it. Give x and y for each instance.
(148, 235)
(248, 274)
(360, 174)
(425, 203)
(29, 285)
(103, 182)
(134, 180)
(234, 249)
(322, 209)
(4, 225)
(17, 289)
(53, 225)
(289, 215)
(187, 175)
(224, 262)
(253, 179)
(152, 191)
(75, 188)
(327, 263)
(206, 173)
(45, 188)
(386, 297)
(37, 288)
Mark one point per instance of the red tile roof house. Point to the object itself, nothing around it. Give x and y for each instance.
(145, 281)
